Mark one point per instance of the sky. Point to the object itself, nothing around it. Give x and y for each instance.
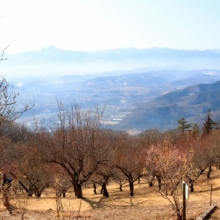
(85, 25)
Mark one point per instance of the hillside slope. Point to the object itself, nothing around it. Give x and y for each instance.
(163, 112)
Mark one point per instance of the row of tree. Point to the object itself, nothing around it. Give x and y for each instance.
(81, 150)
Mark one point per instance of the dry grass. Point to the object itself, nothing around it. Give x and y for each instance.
(146, 204)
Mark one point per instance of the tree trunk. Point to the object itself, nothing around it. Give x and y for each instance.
(37, 194)
(104, 190)
(74, 187)
(191, 186)
(94, 188)
(159, 182)
(120, 187)
(150, 183)
(209, 171)
(179, 217)
(131, 185)
(64, 194)
(78, 192)
(30, 192)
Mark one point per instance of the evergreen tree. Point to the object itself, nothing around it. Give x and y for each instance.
(208, 125)
(183, 125)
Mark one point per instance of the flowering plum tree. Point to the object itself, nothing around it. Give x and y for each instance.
(171, 166)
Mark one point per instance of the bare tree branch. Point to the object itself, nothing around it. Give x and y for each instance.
(3, 53)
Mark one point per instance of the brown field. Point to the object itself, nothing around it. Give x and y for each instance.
(147, 204)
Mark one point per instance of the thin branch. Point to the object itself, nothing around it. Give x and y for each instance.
(3, 52)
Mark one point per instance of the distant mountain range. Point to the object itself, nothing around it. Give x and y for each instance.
(162, 113)
(54, 55)
(53, 62)
(125, 79)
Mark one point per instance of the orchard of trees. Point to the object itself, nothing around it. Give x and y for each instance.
(79, 151)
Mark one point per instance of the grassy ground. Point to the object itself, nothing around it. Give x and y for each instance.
(147, 204)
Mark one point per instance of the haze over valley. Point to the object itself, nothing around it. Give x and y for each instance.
(126, 82)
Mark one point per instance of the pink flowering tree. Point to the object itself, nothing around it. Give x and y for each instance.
(171, 167)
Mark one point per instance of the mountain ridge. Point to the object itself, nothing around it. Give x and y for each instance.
(54, 61)
(163, 112)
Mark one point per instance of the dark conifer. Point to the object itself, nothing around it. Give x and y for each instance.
(183, 125)
(208, 125)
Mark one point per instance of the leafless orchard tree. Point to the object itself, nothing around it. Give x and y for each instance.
(150, 137)
(29, 170)
(102, 177)
(213, 147)
(129, 159)
(78, 144)
(171, 136)
(61, 180)
(107, 171)
(200, 160)
(120, 179)
(9, 112)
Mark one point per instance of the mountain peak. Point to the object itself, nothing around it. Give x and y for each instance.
(49, 49)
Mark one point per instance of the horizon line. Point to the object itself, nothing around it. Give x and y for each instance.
(110, 49)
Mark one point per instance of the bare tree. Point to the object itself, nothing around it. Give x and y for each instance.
(29, 170)
(78, 144)
(149, 137)
(200, 160)
(129, 159)
(212, 143)
(10, 110)
(104, 175)
(120, 179)
(61, 180)
(207, 128)
(3, 53)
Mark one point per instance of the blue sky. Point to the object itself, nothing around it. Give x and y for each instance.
(105, 24)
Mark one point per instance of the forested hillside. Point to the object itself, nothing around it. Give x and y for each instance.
(162, 113)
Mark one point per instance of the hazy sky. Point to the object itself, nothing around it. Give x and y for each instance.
(105, 24)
